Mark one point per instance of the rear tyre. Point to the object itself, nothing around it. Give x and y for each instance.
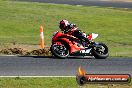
(100, 51)
(59, 51)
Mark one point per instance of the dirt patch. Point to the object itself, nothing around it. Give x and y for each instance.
(40, 52)
(25, 50)
(13, 51)
(20, 51)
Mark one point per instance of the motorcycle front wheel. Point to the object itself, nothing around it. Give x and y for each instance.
(100, 51)
(59, 51)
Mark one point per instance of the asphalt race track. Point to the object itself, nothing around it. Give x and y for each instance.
(49, 66)
(104, 3)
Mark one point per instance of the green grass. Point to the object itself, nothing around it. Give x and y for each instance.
(52, 83)
(20, 22)
(38, 83)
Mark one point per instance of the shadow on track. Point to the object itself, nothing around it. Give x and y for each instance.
(52, 57)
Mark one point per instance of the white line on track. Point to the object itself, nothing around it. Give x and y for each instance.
(38, 76)
(79, 5)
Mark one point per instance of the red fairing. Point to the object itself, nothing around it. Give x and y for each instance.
(73, 47)
(60, 38)
(55, 37)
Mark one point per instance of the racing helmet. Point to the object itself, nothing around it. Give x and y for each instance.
(63, 24)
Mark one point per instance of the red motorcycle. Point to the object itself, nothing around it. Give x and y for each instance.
(64, 45)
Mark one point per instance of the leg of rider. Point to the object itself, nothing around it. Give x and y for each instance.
(83, 40)
(81, 37)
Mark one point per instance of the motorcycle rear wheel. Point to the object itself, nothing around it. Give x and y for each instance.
(59, 51)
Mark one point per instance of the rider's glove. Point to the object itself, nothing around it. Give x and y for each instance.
(72, 26)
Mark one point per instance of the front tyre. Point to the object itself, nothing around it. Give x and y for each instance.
(100, 51)
(60, 51)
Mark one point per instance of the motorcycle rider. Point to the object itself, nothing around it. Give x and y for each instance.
(71, 29)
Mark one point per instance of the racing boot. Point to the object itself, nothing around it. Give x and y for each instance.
(86, 43)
